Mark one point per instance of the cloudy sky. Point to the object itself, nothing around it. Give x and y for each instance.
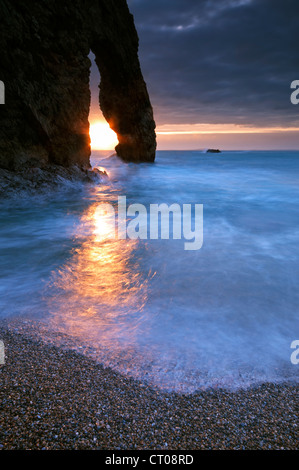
(219, 71)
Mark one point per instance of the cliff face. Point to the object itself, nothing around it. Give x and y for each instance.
(45, 68)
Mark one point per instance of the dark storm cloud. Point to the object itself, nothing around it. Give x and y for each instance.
(220, 60)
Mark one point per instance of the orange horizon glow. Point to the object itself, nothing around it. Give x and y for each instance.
(192, 136)
(198, 129)
(226, 137)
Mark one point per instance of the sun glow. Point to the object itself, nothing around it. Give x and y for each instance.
(102, 136)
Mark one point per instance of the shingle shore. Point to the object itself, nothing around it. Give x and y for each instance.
(56, 399)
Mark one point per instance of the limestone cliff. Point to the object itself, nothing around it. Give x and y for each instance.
(45, 67)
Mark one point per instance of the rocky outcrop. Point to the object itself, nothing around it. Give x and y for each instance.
(46, 181)
(45, 67)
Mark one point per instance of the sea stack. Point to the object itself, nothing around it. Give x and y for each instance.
(45, 69)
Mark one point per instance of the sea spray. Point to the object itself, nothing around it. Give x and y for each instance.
(221, 316)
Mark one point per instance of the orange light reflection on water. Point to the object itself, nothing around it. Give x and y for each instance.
(100, 285)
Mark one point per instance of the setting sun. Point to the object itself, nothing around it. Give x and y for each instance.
(102, 136)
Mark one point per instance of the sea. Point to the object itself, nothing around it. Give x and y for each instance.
(225, 315)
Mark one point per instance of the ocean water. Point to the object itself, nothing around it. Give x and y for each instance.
(221, 316)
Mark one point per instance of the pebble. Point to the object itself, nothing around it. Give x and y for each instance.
(54, 399)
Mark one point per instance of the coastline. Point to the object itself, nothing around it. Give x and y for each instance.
(53, 398)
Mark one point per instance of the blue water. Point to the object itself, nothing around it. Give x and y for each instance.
(222, 316)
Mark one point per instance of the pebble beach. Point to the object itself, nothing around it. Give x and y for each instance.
(56, 399)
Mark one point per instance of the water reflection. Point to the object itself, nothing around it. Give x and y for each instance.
(99, 294)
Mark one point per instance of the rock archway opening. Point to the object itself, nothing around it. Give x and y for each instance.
(102, 137)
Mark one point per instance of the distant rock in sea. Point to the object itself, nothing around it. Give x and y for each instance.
(213, 151)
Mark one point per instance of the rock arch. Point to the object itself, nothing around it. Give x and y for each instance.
(45, 67)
